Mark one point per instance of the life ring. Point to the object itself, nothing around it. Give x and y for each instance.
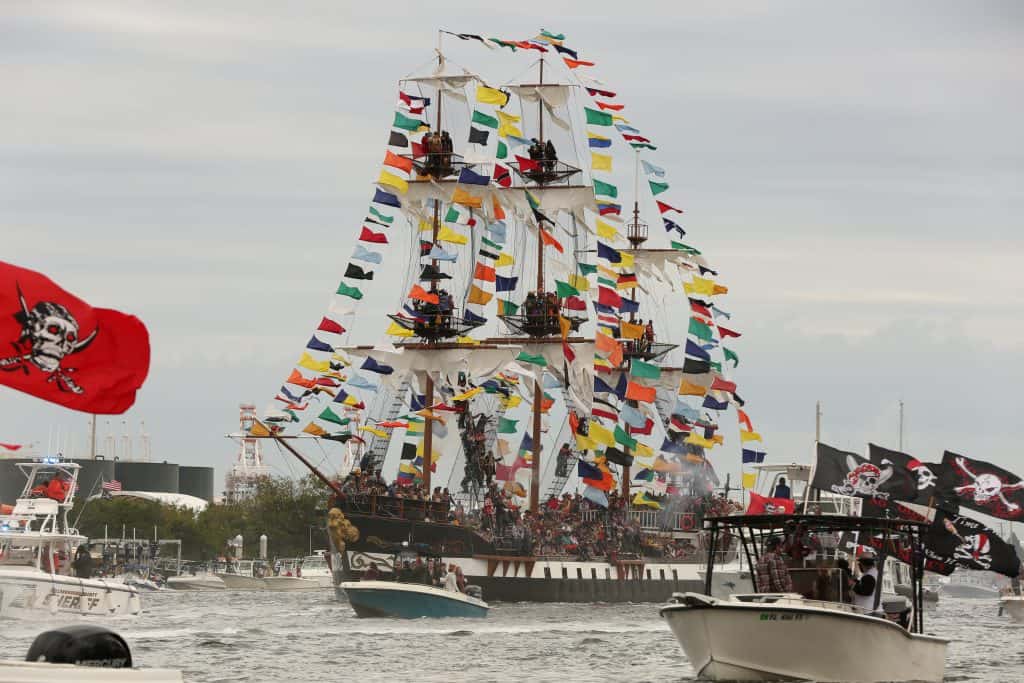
(687, 522)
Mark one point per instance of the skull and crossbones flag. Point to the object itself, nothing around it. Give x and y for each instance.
(926, 475)
(849, 474)
(58, 348)
(969, 544)
(982, 486)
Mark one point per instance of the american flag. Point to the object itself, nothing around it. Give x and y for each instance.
(114, 485)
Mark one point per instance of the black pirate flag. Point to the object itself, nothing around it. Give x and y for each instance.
(848, 474)
(981, 486)
(969, 544)
(925, 475)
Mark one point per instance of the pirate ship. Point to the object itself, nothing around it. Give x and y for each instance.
(523, 295)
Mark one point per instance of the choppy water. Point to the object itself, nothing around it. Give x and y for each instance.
(238, 636)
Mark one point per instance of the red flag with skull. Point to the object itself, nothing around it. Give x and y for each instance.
(58, 348)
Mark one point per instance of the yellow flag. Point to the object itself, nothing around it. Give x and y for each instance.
(350, 401)
(585, 443)
(426, 226)
(749, 479)
(391, 180)
(468, 340)
(446, 234)
(607, 272)
(607, 231)
(700, 285)
(341, 358)
(720, 289)
(504, 260)
(460, 196)
(478, 296)
(373, 430)
(409, 468)
(627, 259)
(616, 117)
(698, 440)
(490, 96)
(642, 450)
(580, 282)
(564, 326)
(307, 361)
(749, 436)
(641, 499)
(314, 429)
(507, 126)
(631, 331)
(396, 330)
(258, 430)
(687, 389)
(600, 162)
(600, 434)
(466, 395)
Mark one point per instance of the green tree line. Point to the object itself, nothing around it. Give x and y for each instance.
(290, 512)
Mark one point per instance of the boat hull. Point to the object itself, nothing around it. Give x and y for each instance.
(39, 672)
(907, 591)
(1013, 607)
(385, 599)
(195, 583)
(291, 583)
(32, 593)
(966, 590)
(238, 582)
(765, 642)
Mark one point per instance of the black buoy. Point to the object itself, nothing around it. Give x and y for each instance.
(82, 645)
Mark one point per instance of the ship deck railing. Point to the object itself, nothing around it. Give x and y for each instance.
(393, 506)
(653, 521)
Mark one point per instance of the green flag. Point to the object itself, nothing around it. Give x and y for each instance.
(700, 330)
(352, 292)
(642, 145)
(657, 188)
(329, 415)
(638, 368)
(623, 438)
(452, 216)
(506, 425)
(484, 119)
(684, 247)
(564, 289)
(586, 268)
(406, 123)
(596, 117)
(489, 243)
(716, 366)
(381, 217)
(295, 418)
(552, 36)
(502, 150)
(507, 307)
(606, 189)
(534, 359)
(731, 355)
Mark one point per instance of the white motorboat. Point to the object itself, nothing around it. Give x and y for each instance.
(38, 547)
(973, 585)
(1012, 605)
(244, 575)
(291, 583)
(300, 573)
(784, 636)
(410, 601)
(80, 653)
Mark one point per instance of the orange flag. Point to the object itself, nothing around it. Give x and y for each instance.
(298, 380)
(484, 272)
(638, 392)
(687, 389)
(631, 331)
(499, 212)
(423, 295)
(393, 160)
(460, 196)
(549, 240)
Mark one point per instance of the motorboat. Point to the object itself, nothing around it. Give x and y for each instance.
(80, 653)
(787, 636)
(1012, 605)
(196, 578)
(38, 549)
(970, 584)
(410, 600)
(244, 575)
(315, 566)
(290, 574)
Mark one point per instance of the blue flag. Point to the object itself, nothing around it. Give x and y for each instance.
(694, 349)
(713, 404)
(468, 177)
(363, 254)
(608, 253)
(751, 456)
(386, 198)
(472, 317)
(373, 366)
(588, 471)
(317, 345)
(439, 254)
(505, 284)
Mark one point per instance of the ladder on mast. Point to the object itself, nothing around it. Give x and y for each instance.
(558, 482)
(378, 448)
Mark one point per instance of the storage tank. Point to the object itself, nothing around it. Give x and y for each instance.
(196, 481)
(159, 477)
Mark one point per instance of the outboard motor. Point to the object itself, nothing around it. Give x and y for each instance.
(82, 645)
(897, 609)
(475, 592)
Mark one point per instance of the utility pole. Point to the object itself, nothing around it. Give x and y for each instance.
(900, 434)
(817, 421)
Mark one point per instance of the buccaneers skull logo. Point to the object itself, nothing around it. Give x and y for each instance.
(986, 488)
(49, 334)
(863, 479)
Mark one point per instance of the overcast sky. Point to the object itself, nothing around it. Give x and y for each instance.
(852, 169)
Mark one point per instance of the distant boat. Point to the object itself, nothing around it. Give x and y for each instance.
(971, 585)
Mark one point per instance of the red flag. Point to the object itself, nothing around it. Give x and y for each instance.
(635, 138)
(663, 207)
(394, 161)
(725, 332)
(574, 303)
(527, 164)
(719, 384)
(11, 446)
(608, 297)
(573, 63)
(328, 325)
(614, 107)
(501, 176)
(744, 419)
(58, 348)
(760, 505)
(367, 235)
(418, 149)
(645, 430)
(568, 352)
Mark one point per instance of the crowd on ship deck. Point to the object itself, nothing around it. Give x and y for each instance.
(571, 525)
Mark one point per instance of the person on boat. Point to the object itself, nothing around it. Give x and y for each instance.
(404, 573)
(58, 488)
(40, 489)
(451, 580)
(550, 157)
(562, 464)
(798, 544)
(649, 334)
(863, 586)
(846, 576)
(419, 572)
(772, 572)
(82, 563)
(782, 489)
(536, 150)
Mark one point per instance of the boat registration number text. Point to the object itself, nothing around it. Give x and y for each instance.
(783, 617)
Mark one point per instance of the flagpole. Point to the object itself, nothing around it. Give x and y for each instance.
(810, 479)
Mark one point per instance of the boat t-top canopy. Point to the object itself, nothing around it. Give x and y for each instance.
(815, 523)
